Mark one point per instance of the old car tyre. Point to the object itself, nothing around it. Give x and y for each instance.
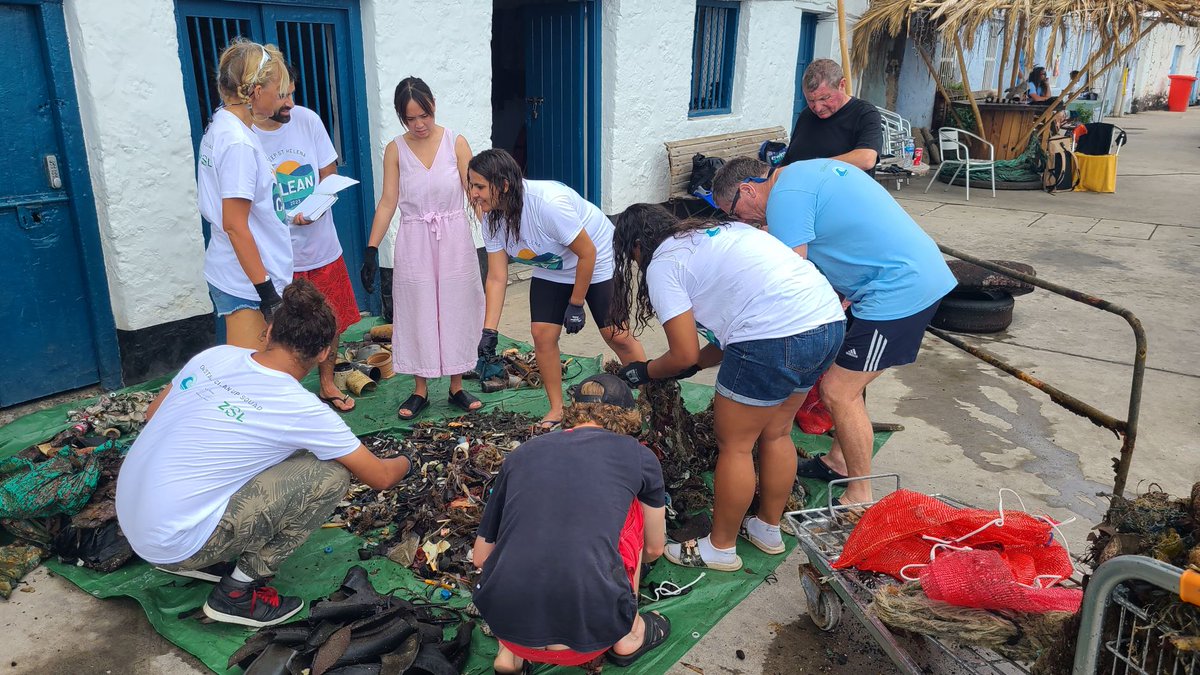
(974, 312)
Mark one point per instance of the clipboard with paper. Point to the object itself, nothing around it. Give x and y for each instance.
(323, 197)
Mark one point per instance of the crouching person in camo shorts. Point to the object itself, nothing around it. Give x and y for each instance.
(238, 464)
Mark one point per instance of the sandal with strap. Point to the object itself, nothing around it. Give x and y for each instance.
(414, 405)
(815, 469)
(332, 402)
(656, 630)
(463, 401)
(687, 554)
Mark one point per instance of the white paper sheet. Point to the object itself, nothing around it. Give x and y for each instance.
(323, 197)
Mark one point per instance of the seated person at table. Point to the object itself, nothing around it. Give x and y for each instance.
(238, 462)
(572, 516)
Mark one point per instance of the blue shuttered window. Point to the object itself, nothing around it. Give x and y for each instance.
(714, 49)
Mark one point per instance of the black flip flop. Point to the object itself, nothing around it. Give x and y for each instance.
(815, 469)
(414, 404)
(657, 630)
(462, 400)
(331, 401)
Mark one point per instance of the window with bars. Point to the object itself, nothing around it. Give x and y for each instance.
(207, 38)
(714, 50)
(309, 47)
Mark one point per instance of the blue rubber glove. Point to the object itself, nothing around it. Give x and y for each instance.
(574, 319)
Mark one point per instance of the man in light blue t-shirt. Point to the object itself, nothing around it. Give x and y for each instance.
(889, 271)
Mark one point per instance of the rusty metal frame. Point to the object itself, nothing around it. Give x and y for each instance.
(1125, 429)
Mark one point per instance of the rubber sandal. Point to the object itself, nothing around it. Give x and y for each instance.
(414, 404)
(744, 533)
(332, 401)
(657, 630)
(815, 469)
(688, 555)
(463, 400)
(547, 425)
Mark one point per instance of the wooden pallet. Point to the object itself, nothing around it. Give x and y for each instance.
(725, 146)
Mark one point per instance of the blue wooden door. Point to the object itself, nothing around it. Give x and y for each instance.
(324, 46)
(57, 324)
(804, 56)
(555, 103)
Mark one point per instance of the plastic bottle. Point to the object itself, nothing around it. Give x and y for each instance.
(909, 148)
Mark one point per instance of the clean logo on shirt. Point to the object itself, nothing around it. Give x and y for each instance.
(277, 194)
(546, 261)
(296, 180)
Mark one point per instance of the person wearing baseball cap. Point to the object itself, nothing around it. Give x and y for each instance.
(584, 507)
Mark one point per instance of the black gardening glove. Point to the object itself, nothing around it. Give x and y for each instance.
(690, 371)
(269, 300)
(370, 267)
(574, 319)
(636, 373)
(487, 343)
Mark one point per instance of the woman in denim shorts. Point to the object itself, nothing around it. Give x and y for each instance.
(771, 321)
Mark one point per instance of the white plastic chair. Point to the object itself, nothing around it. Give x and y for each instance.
(895, 130)
(955, 152)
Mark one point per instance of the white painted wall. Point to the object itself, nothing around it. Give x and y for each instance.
(647, 55)
(1154, 58)
(139, 147)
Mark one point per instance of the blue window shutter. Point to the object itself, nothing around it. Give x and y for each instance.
(714, 52)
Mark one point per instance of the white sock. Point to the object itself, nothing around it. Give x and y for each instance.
(239, 575)
(767, 534)
(711, 553)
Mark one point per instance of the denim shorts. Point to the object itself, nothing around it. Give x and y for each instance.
(227, 304)
(765, 373)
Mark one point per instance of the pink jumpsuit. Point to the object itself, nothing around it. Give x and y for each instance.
(436, 292)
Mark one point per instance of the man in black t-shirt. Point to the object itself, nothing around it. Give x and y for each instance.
(572, 516)
(835, 125)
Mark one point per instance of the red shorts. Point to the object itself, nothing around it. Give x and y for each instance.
(334, 283)
(629, 545)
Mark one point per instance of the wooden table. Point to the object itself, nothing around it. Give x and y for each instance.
(1006, 126)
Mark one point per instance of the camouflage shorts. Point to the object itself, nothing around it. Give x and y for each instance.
(273, 514)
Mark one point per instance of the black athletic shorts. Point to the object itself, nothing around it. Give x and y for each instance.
(548, 301)
(871, 346)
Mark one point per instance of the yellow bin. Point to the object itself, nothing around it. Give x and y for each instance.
(1097, 173)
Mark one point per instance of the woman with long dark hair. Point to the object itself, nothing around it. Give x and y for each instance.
(438, 304)
(567, 241)
(1039, 85)
(771, 321)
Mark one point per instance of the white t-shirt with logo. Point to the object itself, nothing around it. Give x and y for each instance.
(298, 150)
(552, 217)
(226, 420)
(233, 165)
(741, 284)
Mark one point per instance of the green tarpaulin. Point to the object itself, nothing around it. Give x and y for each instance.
(317, 567)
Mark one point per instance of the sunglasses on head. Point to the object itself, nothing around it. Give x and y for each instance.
(732, 212)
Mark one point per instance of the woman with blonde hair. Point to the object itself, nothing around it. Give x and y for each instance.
(249, 256)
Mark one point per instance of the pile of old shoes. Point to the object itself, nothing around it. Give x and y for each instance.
(357, 631)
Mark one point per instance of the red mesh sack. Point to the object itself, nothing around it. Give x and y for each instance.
(895, 533)
(983, 579)
(813, 417)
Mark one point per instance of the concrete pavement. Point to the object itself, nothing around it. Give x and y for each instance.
(970, 430)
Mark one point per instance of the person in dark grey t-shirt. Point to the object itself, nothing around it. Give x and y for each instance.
(572, 516)
(835, 125)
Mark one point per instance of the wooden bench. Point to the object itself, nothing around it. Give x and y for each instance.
(725, 146)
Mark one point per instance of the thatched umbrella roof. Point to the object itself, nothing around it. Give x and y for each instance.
(1118, 21)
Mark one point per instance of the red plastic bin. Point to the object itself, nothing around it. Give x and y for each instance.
(1177, 96)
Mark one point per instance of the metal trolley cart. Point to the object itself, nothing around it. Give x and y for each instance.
(1128, 638)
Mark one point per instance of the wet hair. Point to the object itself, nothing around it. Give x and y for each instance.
(304, 323)
(734, 173)
(500, 170)
(619, 420)
(643, 227)
(412, 89)
(822, 71)
(241, 69)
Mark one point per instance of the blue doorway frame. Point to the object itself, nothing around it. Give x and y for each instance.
(60, 78)
(804, 56)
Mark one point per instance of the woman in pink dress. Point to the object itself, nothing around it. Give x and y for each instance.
(437, 299)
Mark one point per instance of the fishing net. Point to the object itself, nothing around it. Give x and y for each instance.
(984, 579)
(906, 531)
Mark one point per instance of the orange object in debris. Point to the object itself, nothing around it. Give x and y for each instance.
(1189, 587)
